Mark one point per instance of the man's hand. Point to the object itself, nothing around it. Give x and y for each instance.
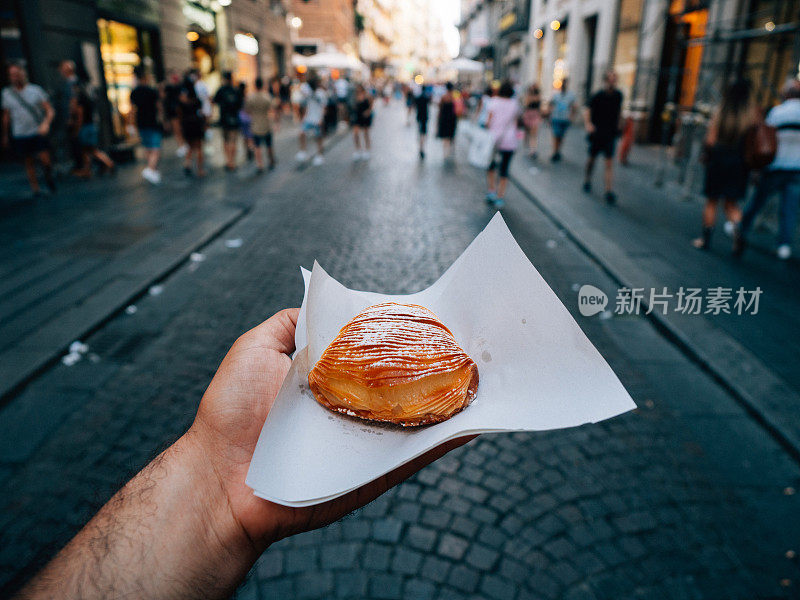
(187, 526)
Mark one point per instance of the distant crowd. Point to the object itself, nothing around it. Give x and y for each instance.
(739, 138)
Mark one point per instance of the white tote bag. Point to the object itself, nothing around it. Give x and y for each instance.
(481, 148)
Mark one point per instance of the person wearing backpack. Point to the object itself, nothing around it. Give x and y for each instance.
(781, 176)
(27, 116)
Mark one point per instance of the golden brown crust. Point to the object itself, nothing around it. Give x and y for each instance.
(395, 363)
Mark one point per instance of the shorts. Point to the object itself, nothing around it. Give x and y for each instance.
(312, 128)
(265, 139)
(363, 122)
(602, 144)
(230, 134)
(29, 145)
(423, 127)
(560, 127)
(503, 164)
(88, 136)
(151, 138)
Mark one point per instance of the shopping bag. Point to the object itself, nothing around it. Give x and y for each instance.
(481, 148)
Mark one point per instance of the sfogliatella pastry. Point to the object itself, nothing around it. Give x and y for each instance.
(395, 363)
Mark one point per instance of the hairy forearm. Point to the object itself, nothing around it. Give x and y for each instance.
(169, 533)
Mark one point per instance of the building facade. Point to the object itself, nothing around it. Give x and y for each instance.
(107, 39)
(324, 25)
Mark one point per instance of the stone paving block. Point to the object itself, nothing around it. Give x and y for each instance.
(435, 569)
(385, 586)
(376, 557)
(355, 530)
(351, 584)
(339, 556)
(436, 518)
(464, 578)
(420, 538)
(451, 546)
(314, 584)
(387, 529)
(497, 587)
(297, 560)
(406, 561)
(276, 589)
(270, 565)
(481, 557)
(408, 512)
(417, 589)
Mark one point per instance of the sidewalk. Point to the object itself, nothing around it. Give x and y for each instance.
(70, 261)
(644, 242)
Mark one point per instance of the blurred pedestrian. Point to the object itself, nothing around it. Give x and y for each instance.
(193, 126)
(63, 100)
(313, 103)
(262, 109)
(502, 122)
(27, 117)
(782, 176)
(485, 101)
(408, 92)
(229, 100)
(245, 124)
(146, 116)
(84, 109)
(532, 118)
(727, 173)
(172, 92)
(422, 105)
(341, 87)
(447, 120)
(602, 119)
(562, 112)
(362, 121)
(285, 93)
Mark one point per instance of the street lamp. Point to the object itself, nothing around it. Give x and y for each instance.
(224, 2)
(538, 34)
(296, 22)
(555, 25)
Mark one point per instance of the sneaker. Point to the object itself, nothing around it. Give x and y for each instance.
(421, 155)
(357, 156)
(318, 160)
(491, 198)
(151, 175)
(587, 187)
(556, 157)
(301, 156)
(499, 203)
(784, 251)
(611, 198)
(729, 228)
(188, 171)
(365, 155)
(182, 150)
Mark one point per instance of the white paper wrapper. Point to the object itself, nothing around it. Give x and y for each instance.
(537, 371)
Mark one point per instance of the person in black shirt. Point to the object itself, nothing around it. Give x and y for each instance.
(422, 104)
(193, 126)
(172, 92)
(602, 119)
(229, 99)
(82, 110)
(145, 103)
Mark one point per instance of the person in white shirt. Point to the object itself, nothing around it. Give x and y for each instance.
(782, 175)
(313, 103)
(28, 115)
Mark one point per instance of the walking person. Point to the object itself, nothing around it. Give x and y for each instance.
(446, 122)
(83, 113)
(483, 104)
(532, 118)
(313, 103)
(422, 105)
(193, 126)
(229, 101)
(781, 176)
(502, 122)
(146, 115)
(602, 119)
(172, 92)
(727, 173)
(562, 112)
(362, 121)
(63, 101)
(27, 117)
(262, 109)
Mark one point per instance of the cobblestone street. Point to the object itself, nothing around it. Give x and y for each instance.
(688, 497)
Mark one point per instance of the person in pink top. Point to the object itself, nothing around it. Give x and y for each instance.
(503, 124)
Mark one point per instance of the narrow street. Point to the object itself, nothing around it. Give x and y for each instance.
(686, 497)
